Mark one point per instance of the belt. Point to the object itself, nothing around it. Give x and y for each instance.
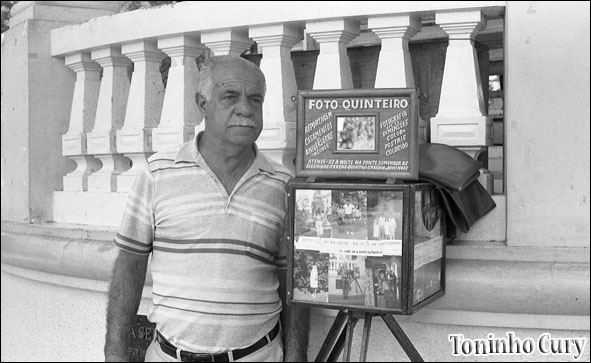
(186, 356)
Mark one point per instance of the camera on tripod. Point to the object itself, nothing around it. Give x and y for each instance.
(352, 274)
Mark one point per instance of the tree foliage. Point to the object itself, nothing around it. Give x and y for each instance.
(134, 5)
(125, 6)
(6, 6)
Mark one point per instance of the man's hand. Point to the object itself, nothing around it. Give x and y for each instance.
(295, 320)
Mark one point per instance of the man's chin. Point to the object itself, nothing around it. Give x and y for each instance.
(245, 137)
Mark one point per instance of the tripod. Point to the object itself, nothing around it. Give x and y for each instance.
(342, 330)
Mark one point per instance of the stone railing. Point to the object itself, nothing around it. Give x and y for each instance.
(115, 123)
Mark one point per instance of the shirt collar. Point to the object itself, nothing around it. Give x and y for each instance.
(190, 153)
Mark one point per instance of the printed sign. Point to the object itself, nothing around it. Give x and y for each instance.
(358, 133)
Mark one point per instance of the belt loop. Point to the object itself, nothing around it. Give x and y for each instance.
(268, 339)
(178, 354)
(230, 356)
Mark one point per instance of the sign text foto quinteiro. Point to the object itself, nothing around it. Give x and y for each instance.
(358, 133)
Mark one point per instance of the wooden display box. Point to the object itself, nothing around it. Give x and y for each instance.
(370, 133)
(372, 247)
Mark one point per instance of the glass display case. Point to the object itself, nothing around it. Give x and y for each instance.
(369, 246)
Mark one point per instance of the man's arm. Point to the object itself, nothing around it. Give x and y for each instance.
(125, 292)
(295, 320)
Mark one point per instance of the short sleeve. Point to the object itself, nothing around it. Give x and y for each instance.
(136, 232)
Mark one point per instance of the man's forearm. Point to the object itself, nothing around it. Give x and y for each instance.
(125, 293)
(296, 323)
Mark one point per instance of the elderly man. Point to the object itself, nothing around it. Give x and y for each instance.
(212, 215)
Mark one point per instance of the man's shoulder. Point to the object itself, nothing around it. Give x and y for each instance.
(163, 159)
(280, 173)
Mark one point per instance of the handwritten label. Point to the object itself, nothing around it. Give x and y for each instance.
(427, 252)
(350, 246)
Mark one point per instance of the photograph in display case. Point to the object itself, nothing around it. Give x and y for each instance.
(385, 215)
(356, 133)
(385, 275)
(347, 279)
(310, 275)
(313, 214)
(427, 281)
(350, 213)
(428, 245)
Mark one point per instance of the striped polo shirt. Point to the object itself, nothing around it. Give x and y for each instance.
(214, 256)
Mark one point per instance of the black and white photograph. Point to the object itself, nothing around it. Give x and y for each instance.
(427, 281)
(310, 275)
(356, 133)
(347, 279)
(384, 215)
(349, 214)
(385, 276)
(264, 181)
(313, 215)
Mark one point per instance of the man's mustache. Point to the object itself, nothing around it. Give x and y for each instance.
(243, 121)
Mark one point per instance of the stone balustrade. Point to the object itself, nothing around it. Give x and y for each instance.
(116, 123)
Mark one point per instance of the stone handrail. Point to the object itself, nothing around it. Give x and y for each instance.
(116, 123)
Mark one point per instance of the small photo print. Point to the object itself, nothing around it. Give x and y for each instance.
(427, 281)
(346, 279)
(384, 215)
(313, 213)
(385, 277)
(310, 275)
(356, 133)
(349, 210)
(427, 214)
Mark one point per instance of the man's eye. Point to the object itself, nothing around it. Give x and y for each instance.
(256, 101)
(229, 97)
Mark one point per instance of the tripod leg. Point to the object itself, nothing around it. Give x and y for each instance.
(352, 320)
(332, 342)
(405, 343)
(338, 347)
(365, 337)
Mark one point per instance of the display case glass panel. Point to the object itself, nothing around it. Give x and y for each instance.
(352, 246)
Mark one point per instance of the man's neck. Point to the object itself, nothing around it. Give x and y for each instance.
(228, 162)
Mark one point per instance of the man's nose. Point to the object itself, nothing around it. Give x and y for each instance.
(243, 106)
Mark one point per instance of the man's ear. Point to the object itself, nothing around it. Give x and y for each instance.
(201, 101)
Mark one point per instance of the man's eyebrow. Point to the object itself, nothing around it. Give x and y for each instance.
(229, 90)
(235, 82)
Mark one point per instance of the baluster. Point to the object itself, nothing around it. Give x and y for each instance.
(82, 116)
(460, 119)
(394, 65)
(144, 107)
(228, 41)
(333, 69)
(110, 115)
(180, 113)
(279, 109)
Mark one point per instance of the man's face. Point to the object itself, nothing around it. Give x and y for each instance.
(234, 114)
